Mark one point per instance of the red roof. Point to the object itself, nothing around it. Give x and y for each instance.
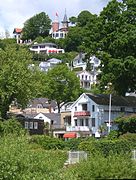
(17, 30)
(70, 135)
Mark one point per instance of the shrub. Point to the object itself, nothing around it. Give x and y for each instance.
(131, 137)
(106, 147)
(113, 135)
(47, 142)
(72, 144)
(11, 126)
(100, 167)
(19, 161)
(126, 124)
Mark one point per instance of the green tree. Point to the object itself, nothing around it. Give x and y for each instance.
(61, 85)
(126, 124)
(17, 80)
(117, 46)
(85, 35)
(38, 25)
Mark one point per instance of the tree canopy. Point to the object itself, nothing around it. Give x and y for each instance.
(111, 36)
(61, 85)
(38, 25)
(18, 82)
(117, 46)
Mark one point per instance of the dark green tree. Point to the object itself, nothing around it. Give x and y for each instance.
(61, 84)
(38, 25)
(126, 124)
(117, 46)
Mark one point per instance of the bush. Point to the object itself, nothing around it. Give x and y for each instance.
(131, 137)
(47, 142)
(113, 135)
(126, 124)
(19, 161)
(107, 147)
(11, 126)
(72, 144)
(100, 167)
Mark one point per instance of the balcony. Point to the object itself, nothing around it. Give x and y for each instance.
(77, 128)
(81, 113)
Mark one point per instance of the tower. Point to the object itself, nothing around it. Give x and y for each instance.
(55, 24)
(65, 22)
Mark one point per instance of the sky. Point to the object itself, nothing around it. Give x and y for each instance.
(14, 13)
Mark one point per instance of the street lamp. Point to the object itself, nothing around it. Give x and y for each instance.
(110, 96)
(109, 124)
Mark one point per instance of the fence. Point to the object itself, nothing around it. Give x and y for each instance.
(76, 156)
(134, 154)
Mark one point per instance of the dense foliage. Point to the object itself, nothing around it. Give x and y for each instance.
(61, 84)
(126, 124)
(111, 36)
(41, 157)
(38, 25)
(17, 80)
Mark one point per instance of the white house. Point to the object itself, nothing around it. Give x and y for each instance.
(45, 66)
(90, 111)
(47, 48)
(86, 79)
(59, 30)
(78, 61)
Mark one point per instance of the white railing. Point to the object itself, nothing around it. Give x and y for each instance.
(77, 128)
(76, 156)
(134, 154)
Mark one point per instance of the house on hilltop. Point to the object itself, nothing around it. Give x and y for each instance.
(59, 30)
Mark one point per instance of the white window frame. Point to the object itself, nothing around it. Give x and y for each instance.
(26, 125)
(30, 125)
(35, 125)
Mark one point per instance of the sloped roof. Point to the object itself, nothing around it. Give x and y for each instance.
(44, 101)
(54, 60)
(80, 56)
(17, 30)
(103, 99)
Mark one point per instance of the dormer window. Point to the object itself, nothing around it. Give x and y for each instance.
(39, 106)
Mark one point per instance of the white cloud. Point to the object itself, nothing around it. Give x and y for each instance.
(14, 13)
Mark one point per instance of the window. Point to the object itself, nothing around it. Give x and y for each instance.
(122, 109)
(82, 76)
(86, 77)
(26, 125)
(57, 35)
(93, 108)
(51, 122)
(34, 47)
(75, 108)
(35, 125)
(42, 46)
(39, 106)
(61, 35)
(31, 125)
(75, 122)
(84, 107)
(93, 122)
(81, 122)
(86, 122)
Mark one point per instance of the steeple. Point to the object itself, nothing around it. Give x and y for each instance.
(65, 21)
